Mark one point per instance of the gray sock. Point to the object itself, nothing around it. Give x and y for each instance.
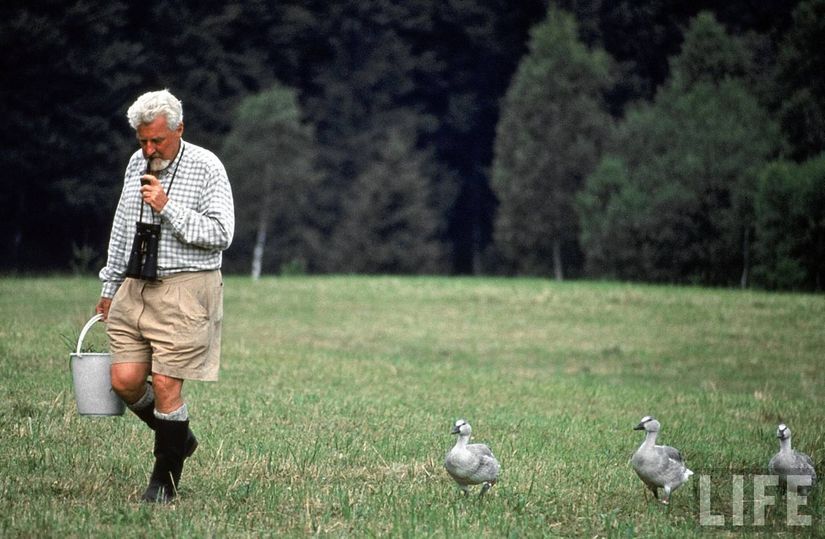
(181, 414)
(147, 399)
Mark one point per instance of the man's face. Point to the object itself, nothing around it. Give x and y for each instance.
(160, 144)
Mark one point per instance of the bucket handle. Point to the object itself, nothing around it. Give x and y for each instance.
(86, 329)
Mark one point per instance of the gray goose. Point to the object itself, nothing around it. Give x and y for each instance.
(788, 462)
(658, 466)
(471, 464)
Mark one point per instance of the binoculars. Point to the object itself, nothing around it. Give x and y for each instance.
(143, 259)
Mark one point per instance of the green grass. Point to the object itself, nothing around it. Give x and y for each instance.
(337, 394)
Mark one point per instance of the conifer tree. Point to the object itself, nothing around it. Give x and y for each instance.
(549, 138)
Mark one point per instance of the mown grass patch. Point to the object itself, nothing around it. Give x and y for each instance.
(336, 397)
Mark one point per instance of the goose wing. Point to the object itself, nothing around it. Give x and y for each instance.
(487, 466)
(806, 459)
(480, 450)
(672, 453)
(805, 464)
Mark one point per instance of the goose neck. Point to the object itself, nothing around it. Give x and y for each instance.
(650, 439)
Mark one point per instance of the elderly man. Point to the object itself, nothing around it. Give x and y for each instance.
(162, 296)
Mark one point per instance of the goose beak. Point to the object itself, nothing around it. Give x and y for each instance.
(640, 426)
(455, 430)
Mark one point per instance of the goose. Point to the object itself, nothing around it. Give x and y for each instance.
(658, 465)
(788, 462)
(470, 464)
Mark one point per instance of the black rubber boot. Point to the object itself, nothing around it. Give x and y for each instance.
(147, 415)
(170, 449)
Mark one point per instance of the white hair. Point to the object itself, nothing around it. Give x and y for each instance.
(153, 104)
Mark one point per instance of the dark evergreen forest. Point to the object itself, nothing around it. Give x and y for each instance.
(665, 141)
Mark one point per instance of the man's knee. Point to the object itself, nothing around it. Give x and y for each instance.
(167, 392)
(129, 380)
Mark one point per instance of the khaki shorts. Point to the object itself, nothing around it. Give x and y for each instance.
(174, 324)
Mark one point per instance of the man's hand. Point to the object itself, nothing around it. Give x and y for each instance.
(152, 192)
(103, 307)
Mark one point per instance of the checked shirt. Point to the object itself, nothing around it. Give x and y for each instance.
(196, 224)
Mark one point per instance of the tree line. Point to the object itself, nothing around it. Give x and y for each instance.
(658, 141)
(707, 182)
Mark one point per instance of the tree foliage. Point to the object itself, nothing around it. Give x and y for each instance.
(58, 167)
(790, 225)
(683, 167)
(802, 80)
(436, 68)
(270, 155)
(549, 137)
(390, 224)
(374, 80)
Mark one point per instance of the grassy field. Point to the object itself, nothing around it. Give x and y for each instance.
(337, 395)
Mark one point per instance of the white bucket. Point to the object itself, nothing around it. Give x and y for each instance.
(92, 380)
